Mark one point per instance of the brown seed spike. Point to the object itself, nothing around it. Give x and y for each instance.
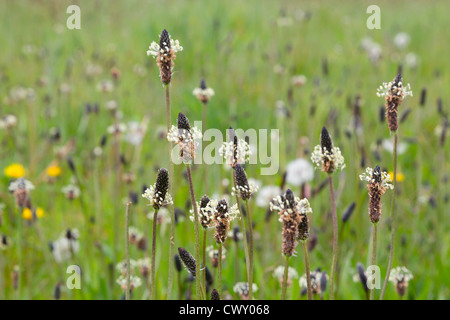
(242, 182)
(325, 141)
(161, 187)
(215, 295)
(203, 84)
(188, 260)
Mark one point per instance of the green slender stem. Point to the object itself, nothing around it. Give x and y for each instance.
(205, 233)
(127, 246)
(153, 254)
(171, 207)
(236, 262)
(180, 289)
(250, 235)
(19, 211)
(374, 255)
(393, 226)
(219, 270)
(335, 237)
(244, 230)
(308, 272)
(285, 278)
(198, 287)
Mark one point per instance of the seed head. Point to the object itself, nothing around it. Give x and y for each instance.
(325, 141)
(188, 260)
(215, 295)
(183, 122)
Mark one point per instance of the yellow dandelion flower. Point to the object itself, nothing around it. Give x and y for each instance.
(15, 171)
(27, 214)
(53, 171)
(400, 176)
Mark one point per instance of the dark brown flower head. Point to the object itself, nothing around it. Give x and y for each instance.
(362, 276)
(348, 212)
(394, 92)
(378, 183)
(401, 286)
(165, 58)
(188, 260)
(208, 276)
(325, 141)
(178, 263)
(290, 199)
(303, 228)
(243, 187)
(164, 41)
(205, 212)
(183, 122)
(161, 187)
(215, 295)
(203, 84)
(222, 222)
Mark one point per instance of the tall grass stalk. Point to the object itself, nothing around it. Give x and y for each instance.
(127, 246)
(308, 272)
(198, 287)
(153, 254)
(374, 255)
(250, 249)
(219, 271)
(171, 207)
(335, 237)
(393, 226)
(285, 278)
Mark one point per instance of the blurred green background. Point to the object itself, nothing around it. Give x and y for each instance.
(248, 52)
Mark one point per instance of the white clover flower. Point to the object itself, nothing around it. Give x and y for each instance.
(111, 105)
(105, 86)
(202, 93)
(319, 157)
(299, 171)
(71, 191)
(279, 273)
(298, 80)
(187, 140)
(117, 128)
(65, 246)
(266, 194)
(388, 145)
(389, 88)
(135, 133)
(154, 49)
(214, 253)
(411, 60)
(9, 121)
(400, 274)
(401, 40)
(155, 197)
(135, 282)
(385, 178)
(243, 152)
(242, 289)
(20, 184)
(315, 277)
(122, 266)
